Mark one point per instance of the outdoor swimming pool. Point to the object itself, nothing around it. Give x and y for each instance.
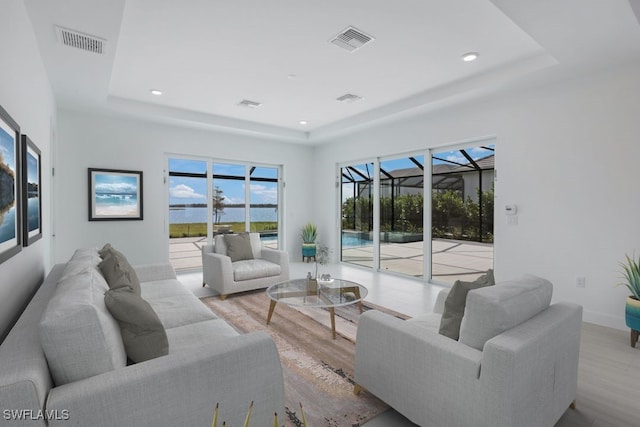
(350, 240)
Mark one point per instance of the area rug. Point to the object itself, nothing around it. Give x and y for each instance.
(318, 370)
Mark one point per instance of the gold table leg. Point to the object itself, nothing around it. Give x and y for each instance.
(272, 306)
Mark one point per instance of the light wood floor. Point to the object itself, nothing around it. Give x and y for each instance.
(609, 368)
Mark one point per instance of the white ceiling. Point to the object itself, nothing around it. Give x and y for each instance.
(207, 55)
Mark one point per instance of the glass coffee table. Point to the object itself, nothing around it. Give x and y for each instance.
(317, 293)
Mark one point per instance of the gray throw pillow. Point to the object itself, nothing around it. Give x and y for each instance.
(238, 246)
(142, 332)
(456, 301)
(105, 250)
(115, 276)
(122, 264)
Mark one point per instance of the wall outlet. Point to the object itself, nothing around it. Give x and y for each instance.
(581, 282)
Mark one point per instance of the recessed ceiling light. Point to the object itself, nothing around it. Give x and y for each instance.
(303, 122)
(291, 76)
(155, 92)
(470, 56)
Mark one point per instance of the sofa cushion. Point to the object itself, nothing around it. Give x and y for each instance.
(179, 310)
(188, 338)
(142, 332)
(118, 273)
(256, 245)
(254, 269)
(494, 309)
(78, 335)
(219, 245)
(163, 288)
(90, 254)
(456, 301)
(238, 246)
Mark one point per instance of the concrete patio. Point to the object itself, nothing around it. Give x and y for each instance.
(452, 259)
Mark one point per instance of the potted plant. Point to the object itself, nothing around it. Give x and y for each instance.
(309, 234)
(631, 270)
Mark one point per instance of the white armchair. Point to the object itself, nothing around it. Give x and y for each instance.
(268, 266)
(515, 363)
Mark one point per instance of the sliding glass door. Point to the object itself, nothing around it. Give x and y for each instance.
(385, 207)
(462, 213)
(357, 214)
(402, 215)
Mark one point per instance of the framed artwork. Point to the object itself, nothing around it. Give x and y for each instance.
(10, 221)
(31, 192)
(115, 195)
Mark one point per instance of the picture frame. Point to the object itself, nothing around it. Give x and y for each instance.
(10, 183)
(115, 195)
(31, 192)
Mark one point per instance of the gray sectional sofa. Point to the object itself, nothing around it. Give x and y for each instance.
(64, 362)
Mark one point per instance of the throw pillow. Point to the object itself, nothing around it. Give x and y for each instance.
(456, 301)
(123, 264)
(143, 335)
(238, 246)
(105, 250)
(114, 274)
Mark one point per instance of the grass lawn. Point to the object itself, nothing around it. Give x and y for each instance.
(199, 229)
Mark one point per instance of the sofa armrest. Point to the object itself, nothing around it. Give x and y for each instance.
(216, 268)
(152, 272)
(182, 389)
(398, 361)
(440, 299)
(531, 370)
(279, 257)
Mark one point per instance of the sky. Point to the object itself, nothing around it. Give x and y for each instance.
(7, 148)
(187, 190)
(32, 168)
(111, 183)
(403, 163)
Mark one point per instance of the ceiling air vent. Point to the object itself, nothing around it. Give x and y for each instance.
(81, 41)
(349, 98)
(249, 104)
(351, 39)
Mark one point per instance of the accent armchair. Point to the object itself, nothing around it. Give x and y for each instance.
(515, 363)
(229, 267)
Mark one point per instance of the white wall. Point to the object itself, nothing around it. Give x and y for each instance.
(567, 155)
(87, 141)
(26, 95)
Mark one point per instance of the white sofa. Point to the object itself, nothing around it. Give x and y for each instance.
(514, 365)
(266, 267)
(63, 363)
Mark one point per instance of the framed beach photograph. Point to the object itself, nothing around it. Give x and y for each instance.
(115, 195)
(10, 221)
(31, 192)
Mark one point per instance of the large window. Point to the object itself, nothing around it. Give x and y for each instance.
(386, 206)
(207, 197)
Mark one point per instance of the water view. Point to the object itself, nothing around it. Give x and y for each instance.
(190, 215)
